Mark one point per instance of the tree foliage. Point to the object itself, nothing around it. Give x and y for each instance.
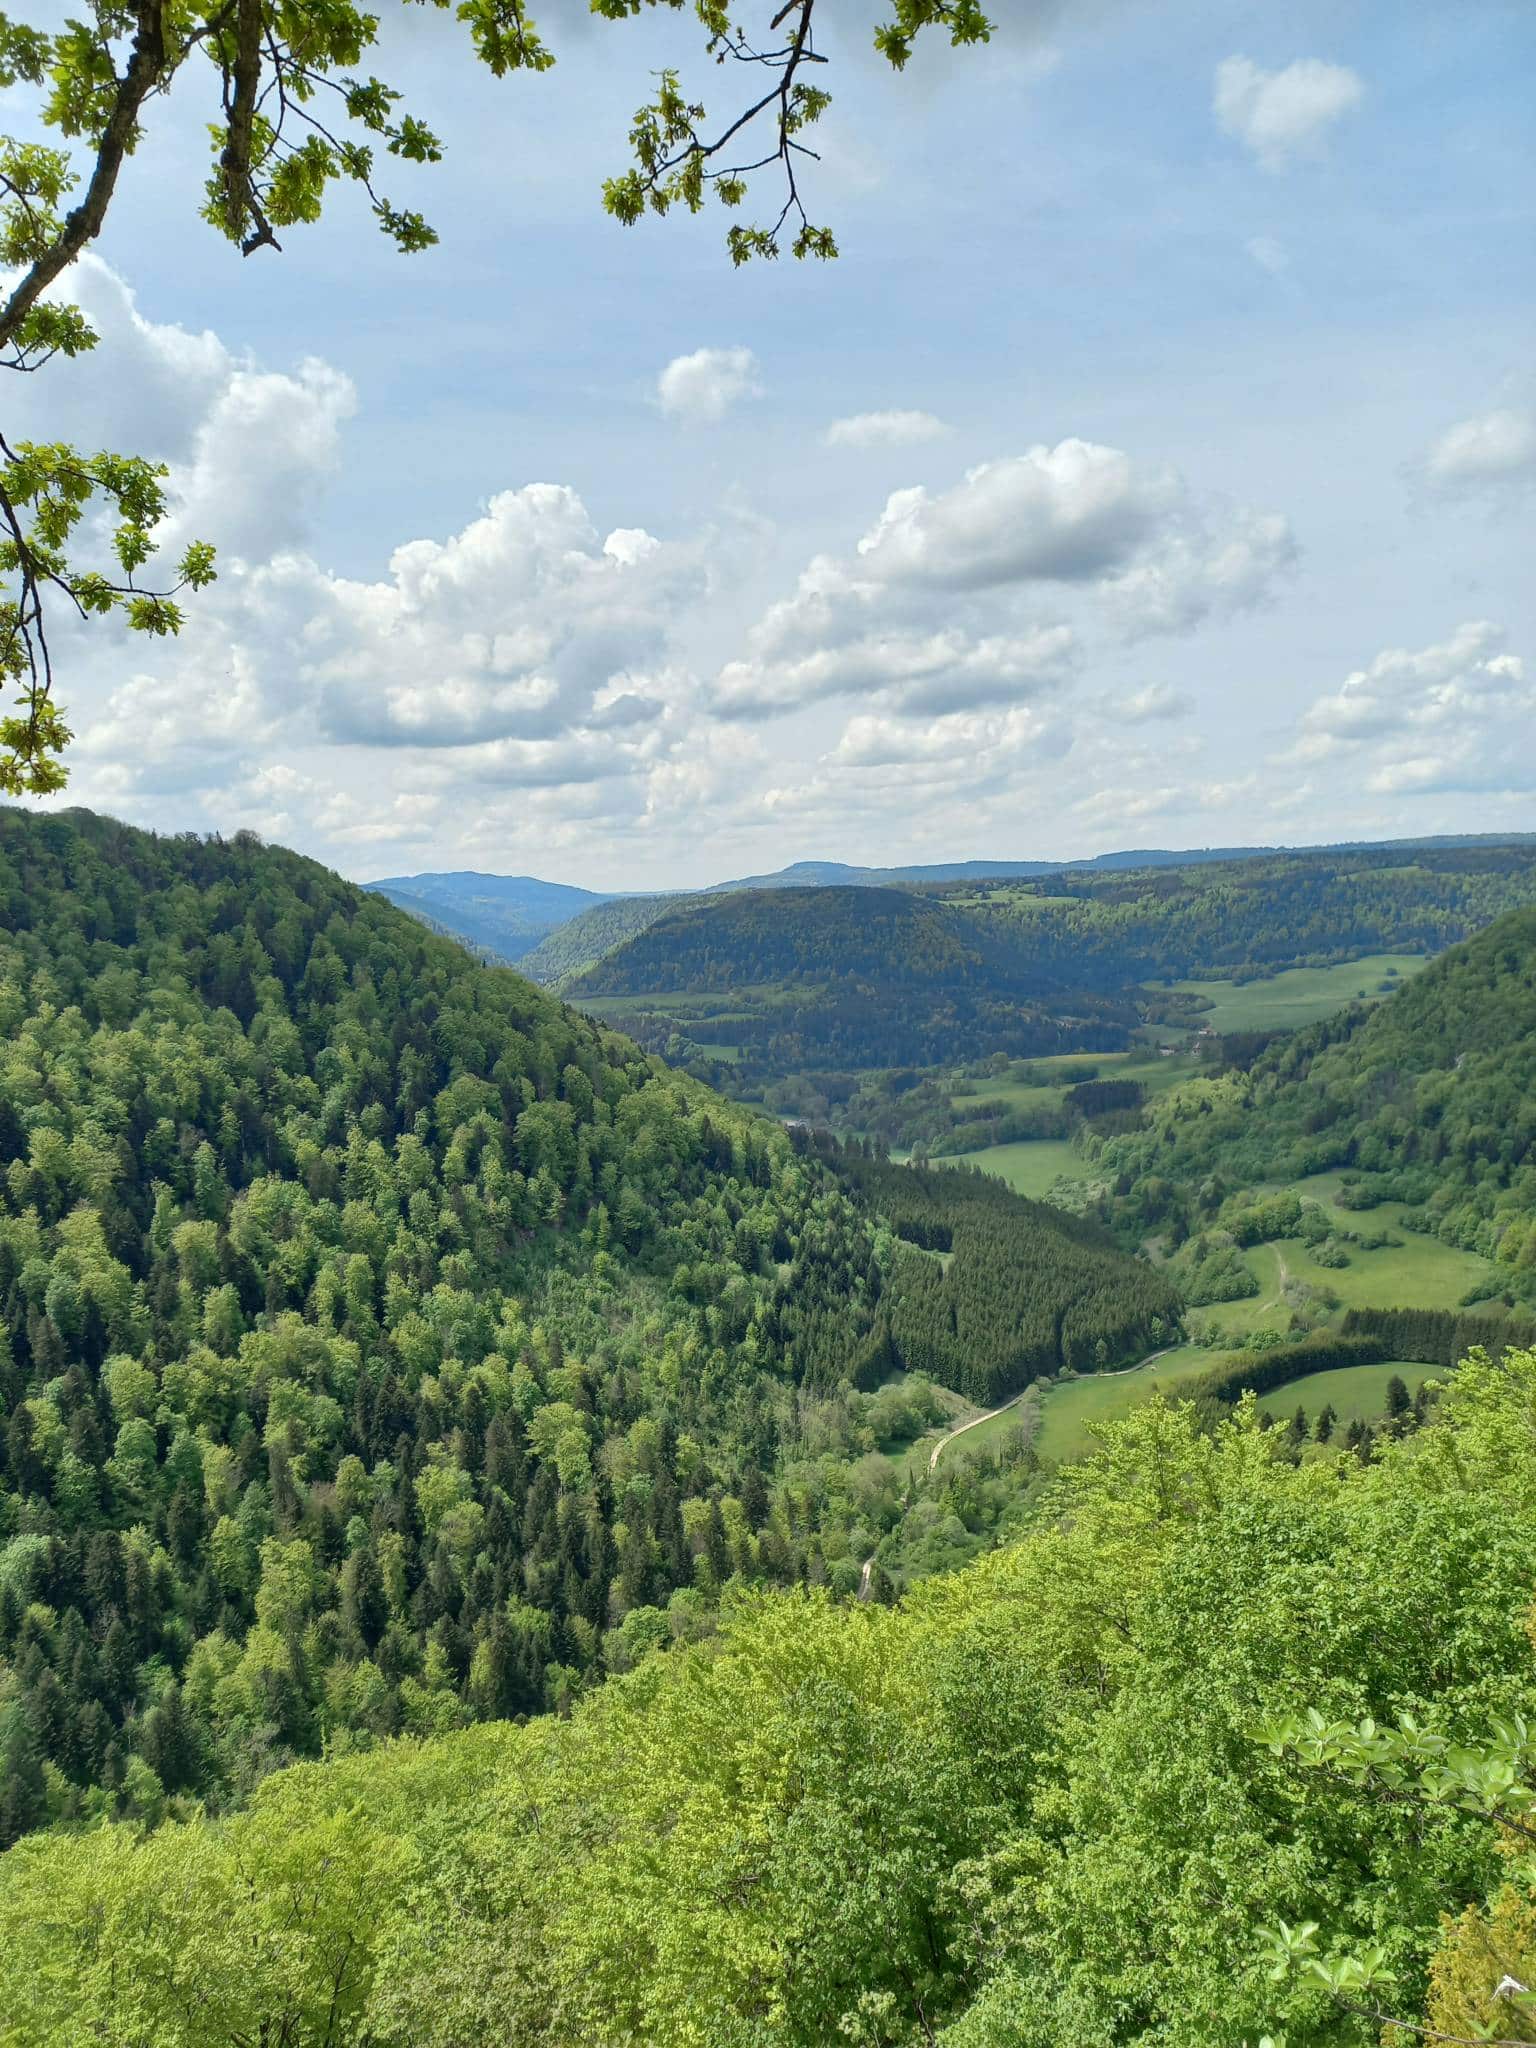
(383, 1346)
(1055, 1799)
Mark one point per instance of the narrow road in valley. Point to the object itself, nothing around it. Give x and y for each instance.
(977, 1420)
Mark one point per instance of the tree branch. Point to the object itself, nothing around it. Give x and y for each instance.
(146, 65)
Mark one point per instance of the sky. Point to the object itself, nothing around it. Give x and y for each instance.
(1156, 466)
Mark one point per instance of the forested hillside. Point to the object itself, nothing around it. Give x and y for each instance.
(501, 915)
(1257, 915)
(1428, 1098)
(384, 1346)
(774, 935)
(751, 988)
(791, 981)
(1069, 1798)
(571, 948)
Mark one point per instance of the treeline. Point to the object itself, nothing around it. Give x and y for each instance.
(993, 1291)
(1437, 1336)
(1260, 1372)
(1038, 1803)
(1366, 1336)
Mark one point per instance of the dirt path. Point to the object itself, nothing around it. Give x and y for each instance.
(976, 1420)
(1284, 1273)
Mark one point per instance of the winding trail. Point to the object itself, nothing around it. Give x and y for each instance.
(976, 1420)
(1282, 1282)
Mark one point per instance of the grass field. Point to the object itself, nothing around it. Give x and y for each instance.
(1355, 1393)
(1421, 1272)
(1299, 996)
(1029, 1168)
(1067, 1410)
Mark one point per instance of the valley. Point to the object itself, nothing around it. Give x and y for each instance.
(399, 1362)
(767, 1025)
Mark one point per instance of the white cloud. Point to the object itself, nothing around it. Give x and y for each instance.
(1156, 701)
(940, 605)
(1491, 448)
(701, 388)
(884, 430)
(919, 672)
(1062, 514)
(1281, 115)
(1451, 716)
(251, 451)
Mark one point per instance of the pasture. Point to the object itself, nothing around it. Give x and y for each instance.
(1300, 995)
(1067, 1409)
(1355, 1393)
(1029, 1167)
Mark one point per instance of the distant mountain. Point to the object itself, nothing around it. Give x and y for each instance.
(505, 915)
(821, 874)
(511, 917)
(570, 949)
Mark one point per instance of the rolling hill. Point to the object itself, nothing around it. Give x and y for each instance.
(384, 1346)
(571, 948)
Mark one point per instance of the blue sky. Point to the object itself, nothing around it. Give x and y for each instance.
(1205, 514)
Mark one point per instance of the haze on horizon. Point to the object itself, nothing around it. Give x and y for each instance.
(1156, 468)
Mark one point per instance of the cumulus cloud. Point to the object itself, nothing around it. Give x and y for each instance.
(1062, 514)
(1279, 116)
(943, 602)
(1451, 716)
(702, 388)
(1490, 449)
(251, 451)
(885, 430)
(521, 627)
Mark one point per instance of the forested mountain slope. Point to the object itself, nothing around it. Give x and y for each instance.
(827, 934)
(1073, 929)
(1040, 1805)
(819, 984)
(1255, 915)
(383, 1345)
(506, 915)
(570, 949)
(1428, 1098)
(802, 979)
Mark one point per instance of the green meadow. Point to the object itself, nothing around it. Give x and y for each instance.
(1355, 1393)
(1067, 1409)
(1028, 1167)
(1300, 995)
